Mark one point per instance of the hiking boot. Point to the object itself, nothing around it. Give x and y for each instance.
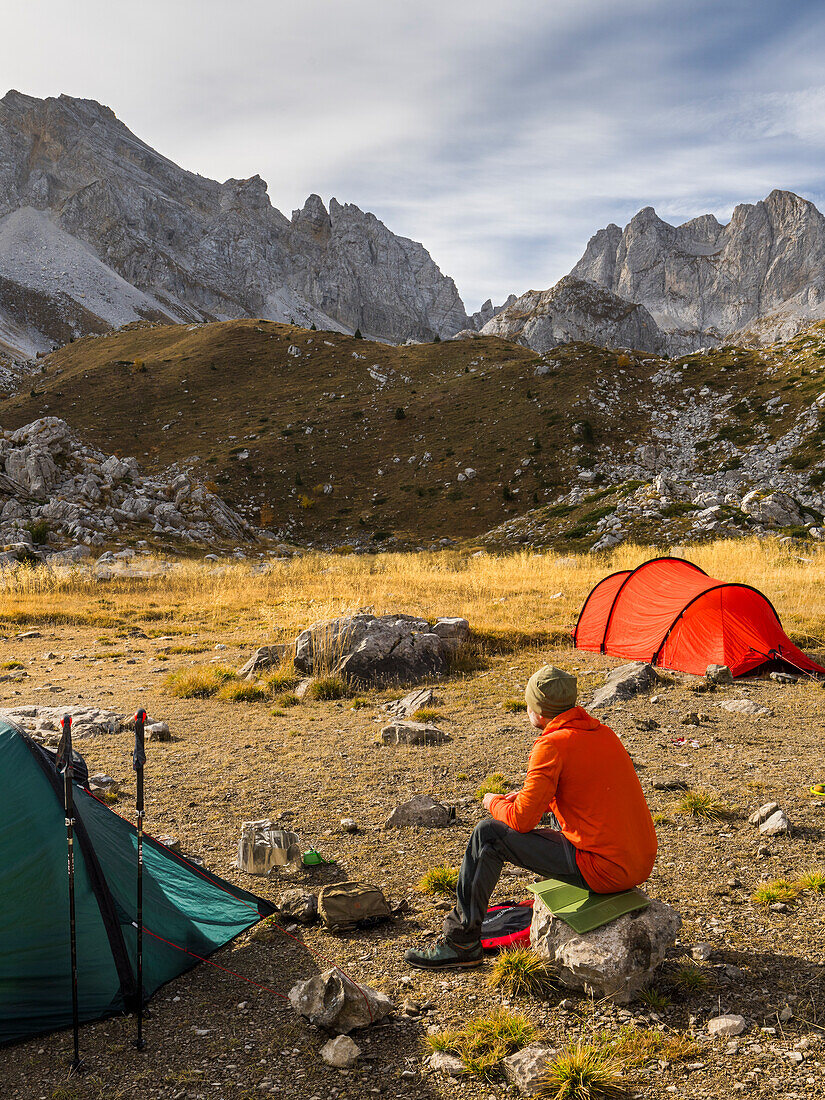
(445, 955)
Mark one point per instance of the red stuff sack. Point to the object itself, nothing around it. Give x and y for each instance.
(507, 925)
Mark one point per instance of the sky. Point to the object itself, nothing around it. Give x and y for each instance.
(500, 135)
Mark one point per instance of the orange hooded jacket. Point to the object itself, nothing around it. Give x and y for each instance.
(580, 770)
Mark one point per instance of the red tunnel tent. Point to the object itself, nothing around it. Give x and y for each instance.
(671, 613)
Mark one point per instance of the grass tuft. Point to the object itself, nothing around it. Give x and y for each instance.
(280, 679)
(328, 687)
(779, 890)
(812, 880)
(583, 1071)
(427, 714)
(439, 880)
(514, 706)
(522, 972)
(701, 804)
(485, 1040)
(241, 692)
(655, 999)
(287, 699)
(197, 683)
(493, 784)
(689, 979)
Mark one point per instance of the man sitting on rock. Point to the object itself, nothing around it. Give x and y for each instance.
(578, 770)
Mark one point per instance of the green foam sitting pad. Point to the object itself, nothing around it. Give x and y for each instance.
(582, 909)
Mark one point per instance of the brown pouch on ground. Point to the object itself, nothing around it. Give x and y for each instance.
(343, 906)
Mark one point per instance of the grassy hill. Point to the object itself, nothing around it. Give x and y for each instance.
(330, 439)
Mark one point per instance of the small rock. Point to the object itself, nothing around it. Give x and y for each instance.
(776, 825)
(784, 678)
(159, 731)
(718, 674)
(421, 810)
(691, 719)
(746, 706)
(664, 783)
(349, 825)
(448, 1064)
(623, 683)
(300, 905)
(526, 1068)
(763, 813)
(332, 1000)
(727, 1025)
(264, 657)
(701, 952)
(340, 1052)
(402, 708)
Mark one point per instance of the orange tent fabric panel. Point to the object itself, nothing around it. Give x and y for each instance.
(590, 627)
(650, 600)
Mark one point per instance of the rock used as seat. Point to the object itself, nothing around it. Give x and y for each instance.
(617, 959)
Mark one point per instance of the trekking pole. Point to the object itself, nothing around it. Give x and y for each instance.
(66, 766)
(138, 760)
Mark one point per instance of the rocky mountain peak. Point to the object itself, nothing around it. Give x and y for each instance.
(189, 248)
(576, 310)
(703, 281)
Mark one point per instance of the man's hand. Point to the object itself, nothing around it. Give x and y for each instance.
(486, 802)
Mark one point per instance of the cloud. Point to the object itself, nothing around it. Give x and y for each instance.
(502, 136)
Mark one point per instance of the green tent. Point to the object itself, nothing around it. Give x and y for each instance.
(185, 908)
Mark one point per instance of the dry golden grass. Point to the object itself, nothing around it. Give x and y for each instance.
(497, 594)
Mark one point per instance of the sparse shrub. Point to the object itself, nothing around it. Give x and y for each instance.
(328, 687)
(701, 804)
(39, 531)
(400, 414)
(287, 699)
(493, 784)
(357, 335)
(662, 819)
(521, 971)
(583, 1071)
(305, 502)
(513, 706)
(360, 704)
(439, 880)
(197, 683)
(9, 665)
(780, 890)
(436, 339)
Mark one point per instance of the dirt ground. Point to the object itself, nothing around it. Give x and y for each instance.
(211, 1035)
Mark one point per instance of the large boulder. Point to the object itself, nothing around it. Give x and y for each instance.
(412, 733)
(333, 1001)
(614, 961)
(623, 683)
(378, 649)
(776, 508)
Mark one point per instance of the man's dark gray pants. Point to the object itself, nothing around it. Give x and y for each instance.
(492, 845)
